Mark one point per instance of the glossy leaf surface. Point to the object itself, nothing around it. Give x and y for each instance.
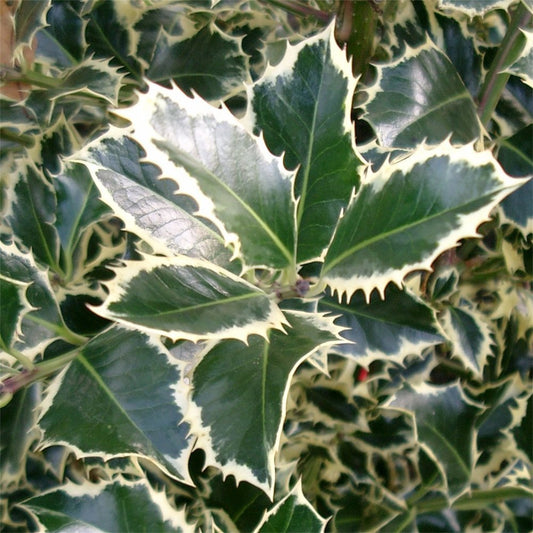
(260, 371)
(421, 97)
(408, 213)
(136, 404)
(302, 106)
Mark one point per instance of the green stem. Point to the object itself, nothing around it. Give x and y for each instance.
(301, 9)
(509, 49)
(477, 499)
(39, 371)
(19, 356)
(25, 140)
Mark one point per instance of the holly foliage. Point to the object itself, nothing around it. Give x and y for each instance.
(266, 265)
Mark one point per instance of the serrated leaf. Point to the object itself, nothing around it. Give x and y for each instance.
(237, 183)
(522, 66)
(445, 426)
(62, 41)
(184, 298)
(260, 371)
(393, 328)
(17, 432)
(208, 62)
(78, 205)
(14, 307)
(136, 399)
(44, 323)
(293, 513)
(409, 212)
(108, 506)
(516, 157)
(302, 106)
(148, 205)
(470, 336)
(474, 7)
(421, 98)
(32, 214)
(28, 19)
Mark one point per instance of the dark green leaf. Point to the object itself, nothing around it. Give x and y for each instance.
(421, 97)
(292, 514)
(409, 212)
(209, 62)
(260, 371)
(237, 183)
(128, 507)
(14, 306)
(184, 298)
(392, 328)
(29, 18)
(445, 425)
(303, 107)
(120, 397)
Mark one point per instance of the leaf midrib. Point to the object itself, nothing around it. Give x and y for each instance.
(399, 229)
(273, 237)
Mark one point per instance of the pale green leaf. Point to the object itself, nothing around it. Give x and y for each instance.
(469, 334)
(236, 182)
(409, 212)
(445, 427)
(393, 328)
(421, 98)
(292, 514)
(149, 206)
(302, 106)
(184, 298)
(128, 507)
(244, 446)
(121, 396)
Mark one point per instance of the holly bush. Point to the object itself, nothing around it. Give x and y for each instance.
(266, 265)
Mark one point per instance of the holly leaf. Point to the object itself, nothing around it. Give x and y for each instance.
(445, 428)
(124, 506)
(237, 183)
(260, 371)
(135, 408)
(302, 106)
(409, 212)
(148, 205)
(292, 513)
(184, 298)
(393, 328)
(421, 96)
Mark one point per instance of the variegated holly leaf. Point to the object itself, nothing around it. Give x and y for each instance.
(293, 513)
(521, 67)
(421, 97)
(29, 17)
(474, 7)
(136, 408)
(516, 157)
(252, 380)
(445, 428)
(17, 432)
(410, 211)
(237, 183)
(185, 298)
(14, 306)
(43, 323)
(148, 205)
(393, 328)
(208, 62)
(302, 106)
(31, 215)
(470, 336)
(125, 506)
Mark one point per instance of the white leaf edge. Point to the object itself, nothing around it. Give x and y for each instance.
(468, 223)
